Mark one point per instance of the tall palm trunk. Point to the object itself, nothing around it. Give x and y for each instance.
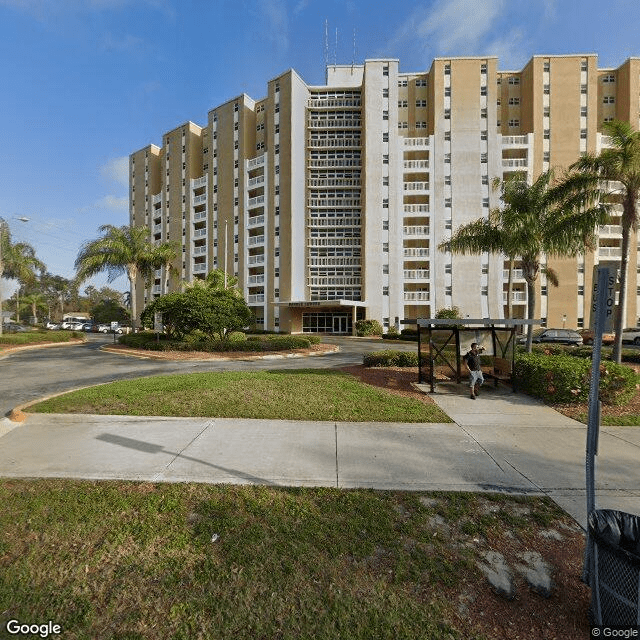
(531, 310)
(132, 272)
(510, 289)
(622, 296)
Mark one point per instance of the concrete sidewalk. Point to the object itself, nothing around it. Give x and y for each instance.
(499, 442)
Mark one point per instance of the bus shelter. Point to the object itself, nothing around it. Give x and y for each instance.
(443, 342)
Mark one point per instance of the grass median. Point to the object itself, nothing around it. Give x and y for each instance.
(301, 394)
(8, 340)
(143, 561)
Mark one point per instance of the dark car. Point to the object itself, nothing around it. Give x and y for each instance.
(556, 336)
(587, 337)
(13, 327)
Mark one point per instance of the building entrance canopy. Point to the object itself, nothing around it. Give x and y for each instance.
(445, 341)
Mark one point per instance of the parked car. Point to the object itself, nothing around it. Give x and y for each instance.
(555, 336)
(587, 337)
(13, 327)
(52, 325)
(74, 326)
(632, 334)
(88, 326)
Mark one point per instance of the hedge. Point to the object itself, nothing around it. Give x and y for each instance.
(150, 342)
(565, 379)
(392, 359)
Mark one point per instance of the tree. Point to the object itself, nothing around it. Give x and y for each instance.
(214, 312)
(35, 301)
(125, 250)
(109, 310)
(536, 219)
(452, 313)
(17, 261)
(613, 175)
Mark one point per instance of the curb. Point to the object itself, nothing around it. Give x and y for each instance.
(11, 350)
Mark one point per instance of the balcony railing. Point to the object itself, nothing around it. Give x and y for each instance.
(199, 200)
(331, 103)
(199, 233)
(256, 162)
(610, 252)
(515, 141)
(336, 142)
(200, 267)
(255, 221)
(412, 252)
(157, 228)
(335, 182)
(255, 280)
(253, 183)
(415, 230)
(254, 240)
(199, 251)
(157, 288)
(515, 163)
(415, 209)
(156, 198)
(257, 298)
(416, 296)
(334, 202)
(258, 201)
(517, 274)
(321, 163)
(420, 143)
(416, 274)
(517, 296)
(346, 123)
(416, 165)
(198, 183)
(255, 260)
(416, 186)
(610, 230)
(200, 215)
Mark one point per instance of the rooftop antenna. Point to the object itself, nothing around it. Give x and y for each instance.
(353, 59)
(335, 51)
(326, 43)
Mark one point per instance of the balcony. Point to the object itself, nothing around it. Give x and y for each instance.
(199, 251)
(515, 141)
(610, 231)
(199, 233)
(157, 288)
(416, 253)
(199, 267)
(155, 199)
(332, 103)
(517, 274)
(416, 296)
(252, 281)
(198, 183)
(415, 144)
(416, 274)
(335, 182)
(200, 215)
(416, 209)
(199, 200)
(515, 163)
(256, 182)
(346, 123)
(415, 231)
(256, 162)
(256, 260)
(335, 143)
(157, 228)
(519, 297)
(610, 252)
(415, 165)
(257, 298)
(255, 240)
(323, 163)
(334, 202)
(417, 187)
(255, 221)
(256, 202)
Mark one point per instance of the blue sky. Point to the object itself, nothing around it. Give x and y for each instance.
(86, 82)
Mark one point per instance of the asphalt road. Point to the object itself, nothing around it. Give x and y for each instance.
(32, 374)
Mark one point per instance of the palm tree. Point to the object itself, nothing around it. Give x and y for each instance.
(121, 250)
(614, 174)
(17, 260)
(35, 301)
(536, 219)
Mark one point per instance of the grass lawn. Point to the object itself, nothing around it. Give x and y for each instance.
(37, 337)
(141, 561)
(303, 394)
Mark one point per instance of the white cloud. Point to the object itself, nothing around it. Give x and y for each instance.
(277, 23)
(117, 169)
(301, 5)
(113, 203)
(450, 26)
(509, 49)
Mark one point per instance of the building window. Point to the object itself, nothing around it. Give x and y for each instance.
(514, 123)
(447, 268)
(583, 65)
(583, 88)
(483, 91)
(609, 100)
(447, 69)
(546, 134)
(546, 157)
(484, 135)
(385, 136)
(421, 103)
(385, 70)
(385, 225)
(448, 291)
(543, 290)
(447, 158)
(447, 203)
(385, 247)
(385, 203)
(583, 112)
(514, 80)
(581, 290)
(385, 291)
(403, 103)
(447, 92)
(546, 66)
(385, 268)
(385, 158)
(385, 115)
(385, 93)
(609, 78)
(485, 203)
(483, 67)
(514, 101)
(583, 134)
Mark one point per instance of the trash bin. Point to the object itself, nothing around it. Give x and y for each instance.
(615, 567)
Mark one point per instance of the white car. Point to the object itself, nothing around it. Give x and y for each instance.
(52, 325)
(631, 335)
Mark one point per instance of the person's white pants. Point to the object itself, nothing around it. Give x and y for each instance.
(475, 378)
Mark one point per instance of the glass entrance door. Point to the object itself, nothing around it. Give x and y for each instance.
(340, 324)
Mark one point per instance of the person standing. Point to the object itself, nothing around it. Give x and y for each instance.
(472, 360)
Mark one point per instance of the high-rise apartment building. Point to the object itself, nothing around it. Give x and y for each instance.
(329, 202)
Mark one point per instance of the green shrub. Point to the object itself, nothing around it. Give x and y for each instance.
(566, 379)
(392, 359)
(368, 328)
(237, 336)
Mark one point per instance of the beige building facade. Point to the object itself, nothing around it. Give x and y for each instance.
(328, 202)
